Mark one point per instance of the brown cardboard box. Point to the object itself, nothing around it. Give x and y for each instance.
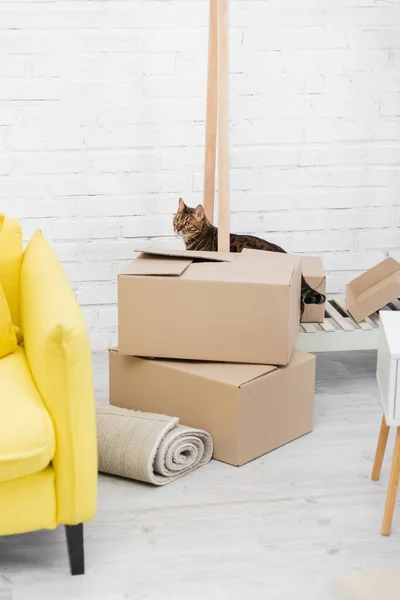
(373, 289)
(210, 306)
(314, 274)
(248, 409)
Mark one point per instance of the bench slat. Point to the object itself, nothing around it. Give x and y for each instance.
(327, 326)
(343, 323)
(310, 327)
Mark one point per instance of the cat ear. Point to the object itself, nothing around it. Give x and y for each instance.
(182, 205)
(199, 212)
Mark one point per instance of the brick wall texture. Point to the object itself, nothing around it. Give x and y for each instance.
(102, 110)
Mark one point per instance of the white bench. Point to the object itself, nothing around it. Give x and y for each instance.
(340, 332)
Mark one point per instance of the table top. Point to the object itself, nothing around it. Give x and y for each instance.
(390, 323)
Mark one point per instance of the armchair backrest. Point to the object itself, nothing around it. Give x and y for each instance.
(10, 263)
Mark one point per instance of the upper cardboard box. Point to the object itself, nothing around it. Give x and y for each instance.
(210, 306)
(373, 289)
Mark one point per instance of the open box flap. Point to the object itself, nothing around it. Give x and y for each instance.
(275, 268)
(162, 267)
(252, 266)
(312, 266)
(153, 262)
(186, 254)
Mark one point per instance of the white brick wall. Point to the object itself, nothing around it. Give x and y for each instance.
(102, 107)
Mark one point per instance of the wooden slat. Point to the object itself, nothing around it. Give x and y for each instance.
(375, 318)
(341, 321)
(362, 325)
(391, 306)
(310, 327)
(327, 326)
(396, 304)
(371, 322)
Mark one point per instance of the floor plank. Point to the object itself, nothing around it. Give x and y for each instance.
(285, 527)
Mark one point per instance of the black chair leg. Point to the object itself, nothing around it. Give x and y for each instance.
(76, 556)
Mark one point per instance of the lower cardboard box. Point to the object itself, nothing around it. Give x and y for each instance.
(248, 409)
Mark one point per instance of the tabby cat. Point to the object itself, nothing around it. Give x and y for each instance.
(192, 225)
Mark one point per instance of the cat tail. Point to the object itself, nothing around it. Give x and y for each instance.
(309, 295)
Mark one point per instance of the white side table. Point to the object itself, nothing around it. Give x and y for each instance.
(388, 376)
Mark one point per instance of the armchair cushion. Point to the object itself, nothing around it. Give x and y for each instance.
(27, 440)
(10, 264)
(8, 333)
(58, 351)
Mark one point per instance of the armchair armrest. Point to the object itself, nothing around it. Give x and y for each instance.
(58, 351)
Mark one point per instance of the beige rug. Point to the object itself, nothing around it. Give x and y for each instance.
(375, 586)
(149, 447)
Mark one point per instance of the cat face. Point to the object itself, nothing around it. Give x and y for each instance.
(188, 222)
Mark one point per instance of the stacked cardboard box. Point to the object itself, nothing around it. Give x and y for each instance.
(209, 337)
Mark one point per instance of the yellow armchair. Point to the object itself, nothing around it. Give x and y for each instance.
(48, 453)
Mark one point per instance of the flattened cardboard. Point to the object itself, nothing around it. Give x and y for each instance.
(249, 410)
(373, 289)
(314, 274)
(244, 308)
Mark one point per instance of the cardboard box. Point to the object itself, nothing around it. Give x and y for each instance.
(248, 409)
(373, 289)
(210, 306)
(314, 274)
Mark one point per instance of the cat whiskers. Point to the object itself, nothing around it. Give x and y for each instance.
(184, 236)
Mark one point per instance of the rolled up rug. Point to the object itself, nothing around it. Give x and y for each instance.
(149, 447)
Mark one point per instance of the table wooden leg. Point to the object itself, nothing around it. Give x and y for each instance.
(380, 450)
(393, 485)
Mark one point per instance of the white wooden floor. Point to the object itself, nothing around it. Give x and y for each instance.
(285, 527)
